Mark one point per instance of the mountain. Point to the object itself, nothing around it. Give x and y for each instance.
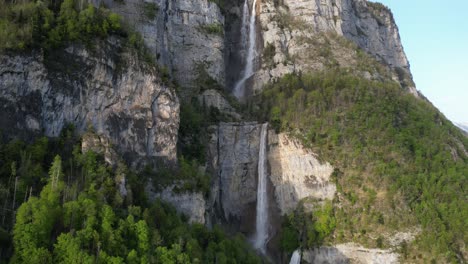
(217, 131)
(463, 126)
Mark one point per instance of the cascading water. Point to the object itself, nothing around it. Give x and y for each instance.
(296, 257)
(239, 89)
(248, 35)
(261, 234)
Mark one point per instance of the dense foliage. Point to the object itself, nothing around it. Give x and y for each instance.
(307, 230)
(48, 24)
(399, 163)
(80, 216)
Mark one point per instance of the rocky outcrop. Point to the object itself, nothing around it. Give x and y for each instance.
(108, 90)
(349, 253)
(296, 173)
(371, 26)
(190, 204)
(295, 38)
(101, 145)
(181, 34)
(213, 98)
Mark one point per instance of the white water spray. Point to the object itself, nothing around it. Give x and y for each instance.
(261, 234)
(239, 89)
(296, 257)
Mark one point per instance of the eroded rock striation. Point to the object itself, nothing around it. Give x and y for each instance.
(109, 91)
(233, 158)
(181, 34)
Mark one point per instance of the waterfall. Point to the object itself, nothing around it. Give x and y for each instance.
(296, 257)
(248, 71)
(261, 234)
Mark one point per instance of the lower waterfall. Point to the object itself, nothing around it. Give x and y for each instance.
(296, 257)
(261, 234)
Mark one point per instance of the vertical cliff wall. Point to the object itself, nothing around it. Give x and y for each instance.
(371, 26)
(109, 90)
(313, 35)
(294, 173)
(185, 33)
(233, 158)
(181, 34)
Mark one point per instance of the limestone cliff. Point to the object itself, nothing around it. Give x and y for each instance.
(108, 90)
(314, 35)
(294, 173)
(181, 34)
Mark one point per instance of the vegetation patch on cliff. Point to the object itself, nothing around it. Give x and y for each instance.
(213, 29)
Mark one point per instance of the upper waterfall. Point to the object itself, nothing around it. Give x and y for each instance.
(239, 89)
(261, 234)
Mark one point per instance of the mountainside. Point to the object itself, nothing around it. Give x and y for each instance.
(463, 126)
(110, 91)
(211, 131)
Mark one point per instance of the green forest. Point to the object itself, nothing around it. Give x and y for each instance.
(398, 161)
(63, 206)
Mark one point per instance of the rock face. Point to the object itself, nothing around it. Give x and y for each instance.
(191, 204)
(213, 98)
(349, 253)
(296, 173)
(100, 145)
(233, 158)
(371, 26)
(183, 34)
(119, 97)
(292, 30)
(180, 33)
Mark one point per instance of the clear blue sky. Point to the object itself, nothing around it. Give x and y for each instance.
(435, 38)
